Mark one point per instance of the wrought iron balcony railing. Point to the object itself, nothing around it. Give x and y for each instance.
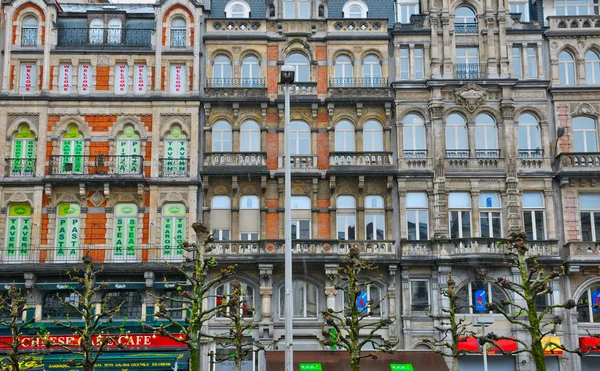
(358, 82)
(174, 167)
(487, 153)
(102, 37)
(227, 82)
(96, 165)
(531, 153)
(178, 38)
(465, 27)
(415, 153)
(457, 153)
(475, 245)
(470, 71)
(29, 36)
(18, 167)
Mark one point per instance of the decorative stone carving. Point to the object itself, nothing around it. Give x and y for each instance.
(96, 199)
(508, 110)
(584, 109)
(436, 110)
(481, 273)
(471, 96)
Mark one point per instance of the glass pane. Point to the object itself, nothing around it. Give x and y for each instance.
(466, 224)
(423, 234)
(454, 224)
(419, 295)
(459, 200)
(591, 142)
(311, 300)
(480, 295)
(411, 220)
(589, 202)
(304, 229)
(528, 224)
(375, 296)
(578, 141)
(597, 225)
(416, 199)
(496, 229)
(539, 225)
(586, 227)
(484, 222)
(298, 289)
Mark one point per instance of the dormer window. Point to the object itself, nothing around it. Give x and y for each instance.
(29, 31)
(96, 31)
(114, 31)
(296, 9)
(355, 9)
(237, 9)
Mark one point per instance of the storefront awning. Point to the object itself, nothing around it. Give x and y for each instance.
(469, 344)
(507, 345)
(551, 345)
(589, 344)
(6, 286)
(58, 286)
(120, 361)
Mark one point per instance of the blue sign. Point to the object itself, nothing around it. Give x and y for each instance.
(488, 202)
(596, 301)
(361, 301)
(480, 300)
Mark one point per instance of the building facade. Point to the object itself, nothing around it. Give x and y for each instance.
(422, 132)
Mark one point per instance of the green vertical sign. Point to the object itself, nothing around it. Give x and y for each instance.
(72, 150)
(18, 230)
(67, 231)
(176, 152)
(401, 367)
(128, 150)
(311, 367)
(23, 153)
(125, 230)
(173, 229)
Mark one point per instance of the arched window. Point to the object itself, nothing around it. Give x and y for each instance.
(465, 20)
(271, 11)
(576, 7)
(321, 11)
(529, 137)
(486, 137)
(343, 71)
(22, 162)
(251, 72)
(480, 293)
(246, 301)
(301, 208)
(566, 68)
(372, 137)
(130, 302)
(250, 136)
(368, 293)
(346, 218)
(71, 152)
(344, 137)
(237, 9)
(29, 31)
(68, 226)
(173, 230)
(296, 9)
(413, 133)
(249, 218)
(372, 71)
(125, 231)
(96, 31)
(178, 33)
(306, 300)
(55, 305)
(406, 8)
(129, 159)
(585, 135)
(355, 9)
(374, 218)
(114, 31)
(586, 310)
(221, 137)
(301, 66)
(222, 71)
(459, 211)
(592, 67)
(220, 217)
(456, 137)
(18, 231)
(175, 160)
(490, 211)
(299, 138)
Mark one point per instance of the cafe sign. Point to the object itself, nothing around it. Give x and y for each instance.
(127, 340)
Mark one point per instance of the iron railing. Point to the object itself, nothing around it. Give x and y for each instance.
(29, 36)
(96, 165)
(487, 153)
(419, 308)
(114, 37)
(358, 82)
(415, 153)
(470, 71)
(228, 82)
(465, 27)
(457, 153)
(531, 153)
(17, 167)
(174, 167)
(178, 38)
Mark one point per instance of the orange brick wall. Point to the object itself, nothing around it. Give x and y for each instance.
(14, 34)
(272, 149)
(324, 220)
(147, 121)
(181, 7)
(51, 77)
(145, 228)
(321, 54)
(43, 35)
(102, 77)
(41, 78)
(191, 78)
(95, 228)
(12, 77)
(272, 71)
(272, 220)
(101, 123)
(99, 148)
(163, 74)
(565, 140)
(323, 151)
(52, 121)
(570, 210)
(45, 220)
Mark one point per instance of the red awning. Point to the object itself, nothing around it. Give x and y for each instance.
(469, 344)
(506, 345)
(589, 344)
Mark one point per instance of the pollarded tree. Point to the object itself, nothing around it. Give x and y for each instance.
(13, 306)
(354, 327)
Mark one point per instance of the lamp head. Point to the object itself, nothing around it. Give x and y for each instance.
(287, 74)
(560, 131)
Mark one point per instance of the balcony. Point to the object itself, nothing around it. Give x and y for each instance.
(579, 160)
(589, 23)
(360, 159)
(465, 28)
(20, 167)
(440, 249)
(357, 26)
(300, 88)
(533, 158)
(235, 159)
(469, 71)
(359, 87)
(241, 88)
(174, 167)
(583, 251)
(484, 159)
(96, 165)
(225, 26)
(487, 153)
(104, 37)
(299, 162)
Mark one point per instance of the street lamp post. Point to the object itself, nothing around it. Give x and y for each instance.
(484, 321)
(287, 78)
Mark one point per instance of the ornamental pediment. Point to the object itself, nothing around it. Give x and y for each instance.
(471, 96)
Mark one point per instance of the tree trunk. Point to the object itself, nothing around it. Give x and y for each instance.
(355, 362)
(238, 363)
(537, 352)
(195, 358)
(455, 364)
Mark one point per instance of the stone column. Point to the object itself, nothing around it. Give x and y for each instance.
(411, 58)
(525, 61)
(475, 230)
(266, 290)
(331, 272)
(471, 139)
(440, 224)
(448, 48)
(550, 212)
(436, 72)
(540, 61)
(507, 108)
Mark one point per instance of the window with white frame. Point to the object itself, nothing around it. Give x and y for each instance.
(517, 62)
(355, 9)
(237, 9)
(65, 78)
(178, 33)
(114, 35)
(404, 63)
(534, 220)
(566, 68)
(585, 135)
(296, 9)
(301, 209)
(586, 305)
(459, 211)
(532, 64)
(344, 136)
(29, 31)
(178, 78)
(419, 295)
(486, 137)
(413, 133)
(589, 211)
(372, 136)
(220, 217)
(374, 218)
(372, 71)
(465, 20)
(222, 71)
(346, 218)
(301, 66)
(306, 300)
(417, 216)
(456, 137)
(96, 31)
(121, 78)
(299, 140)
(419, 72)
(342, 71)
(479, 294)
(405, 9)
(85, 78)
(529, 136)
(221, 137)
(490, 215)
(173, 230)
(467, 63)
(592, 67)
(250, 136)
(520, 7)
(576, 7)
(28, 80)
(368, 293)
(249, 218)
(251, 72)
(223, 293)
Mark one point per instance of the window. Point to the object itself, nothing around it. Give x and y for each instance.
(589, 208)
(221, 137)
(464, 20)
(64, 78)
(85, 74)
(346, 218)
(224, 291)
(459, 205)
(585, 137)
(114, 31)
(374, 218)
(305, 297)
(467, 63)
(29, 31)
(419, 295)
(178, 78)
(342, 71)
(299, 138)
(372, 137)
(534, 221)
(121, 78)
(372, 71)
(22, 162)
(129, 159)
(532, 64)
(301, 209)
(490, 212)
(566, 68)
(296, 9)
(301, 66)
(529, 136)
(250, 136)
(373, 292)
(237, 9)
(220, 217)
(413, 133)
(322, 11)
(419, 74)
(222, 71)
(417, 216)
(355, 9)
(54, 308)
(592, 67)
(125, 234)
(140, 77)
(18, 231)
(71, 151)
(221, 360)
(486, 137)
(480, 293)
(586, 311)
(173, 230)
(96, 32)
(520, 7)
(130, 301)
(456, 137)
(178, 33)
(406, 8)
(250, 72)
(175, 160)
(173, 301)
(67, 232)
(517, 64)
(249, 218)
(576, 7)
(28, 82)
(344, 136)
(404, 63)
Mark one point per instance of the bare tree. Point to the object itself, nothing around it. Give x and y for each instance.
(354, 327)
(13, 306)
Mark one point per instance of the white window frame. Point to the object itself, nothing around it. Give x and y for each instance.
(299, 131)
(250, 71)
(490, 213)
(404, 63)
(248, 130)
(349, 9)
(486, 133)
(95, 37)
(406, 8)
(532, 130)
(565, 66)
(520, 6)
(346, 132)
(419, 62)
(489, 298)
(372, 68)
(342, 67)
(281, 303)
(588, 294)
(459, 211)
(296, 9)
(517, 62)
(532, 210)
(460, 131)
(563, 6)
(222, 137)
(298, 222)
(375, 211)
(30, 22)
(586, 133)
(219, 234)
(230, 7)
(379, 305)
(115, 31)
(413, 132)
(532, 62)
(592, 65)
(255, 207)
(300, 67)
(594, 214)
(417, 210)
(345, 215)
(370, 141)
(33, 78)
